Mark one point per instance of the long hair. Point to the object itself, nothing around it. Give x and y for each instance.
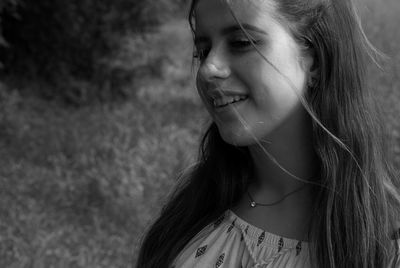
(215, 184)
(358, 201)
(359, 204)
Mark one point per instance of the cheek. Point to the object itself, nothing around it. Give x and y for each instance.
(289, 73)
(273, 96)
(281, 83)
(201, 89)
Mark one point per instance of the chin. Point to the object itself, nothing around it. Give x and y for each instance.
(239, 138)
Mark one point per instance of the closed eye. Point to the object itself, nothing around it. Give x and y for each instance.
(202, 47)
(242, 44)
(234, 45)
(201, 53)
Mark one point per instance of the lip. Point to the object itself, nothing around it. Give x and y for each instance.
(227, 112)
(230, 108)
(220, 92)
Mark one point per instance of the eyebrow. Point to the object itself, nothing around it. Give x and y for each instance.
(235, 28)
(232, 29)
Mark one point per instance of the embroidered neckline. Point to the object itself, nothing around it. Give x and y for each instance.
(260, 236)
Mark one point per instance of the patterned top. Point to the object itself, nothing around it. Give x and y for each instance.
(231, 242)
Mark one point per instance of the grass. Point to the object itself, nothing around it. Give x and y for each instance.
(79, 186)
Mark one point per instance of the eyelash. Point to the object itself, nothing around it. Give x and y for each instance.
(235, 46)
(241, 44)
(199, 54)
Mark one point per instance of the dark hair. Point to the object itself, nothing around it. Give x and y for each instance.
(358, 201)
(359, 206)
(214, 185)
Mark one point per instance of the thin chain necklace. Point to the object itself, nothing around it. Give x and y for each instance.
(253, 203)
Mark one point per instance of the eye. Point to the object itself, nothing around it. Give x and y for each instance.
(241, 44)
(201, 53)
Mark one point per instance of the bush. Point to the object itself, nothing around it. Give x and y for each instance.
(8, 6)
(62, 41)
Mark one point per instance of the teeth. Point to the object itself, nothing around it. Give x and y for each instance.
(225, 100)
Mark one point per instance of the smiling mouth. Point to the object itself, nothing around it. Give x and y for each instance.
(228, 100)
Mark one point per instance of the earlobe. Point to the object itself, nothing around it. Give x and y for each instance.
(312, 79)
(309, 62)
(310, 65)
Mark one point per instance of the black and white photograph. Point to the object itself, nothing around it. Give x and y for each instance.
(200, 134)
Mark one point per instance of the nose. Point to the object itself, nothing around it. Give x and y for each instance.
(215, 66)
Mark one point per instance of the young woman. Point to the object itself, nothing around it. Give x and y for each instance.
(292, 170)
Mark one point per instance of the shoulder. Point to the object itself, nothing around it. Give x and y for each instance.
(205, 243)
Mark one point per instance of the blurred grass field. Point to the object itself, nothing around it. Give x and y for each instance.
(79, 186)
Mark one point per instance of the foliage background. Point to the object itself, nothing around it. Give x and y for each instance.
(93, 133)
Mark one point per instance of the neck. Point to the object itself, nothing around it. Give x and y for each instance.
(291, 146)
(288, 160)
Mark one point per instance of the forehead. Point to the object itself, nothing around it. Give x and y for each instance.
(214, 14)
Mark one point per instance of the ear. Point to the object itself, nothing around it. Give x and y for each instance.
(308, 60)
(309, 64)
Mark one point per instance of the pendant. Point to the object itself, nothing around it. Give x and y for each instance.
(253, 204)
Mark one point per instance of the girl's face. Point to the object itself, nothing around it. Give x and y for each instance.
(246, 96)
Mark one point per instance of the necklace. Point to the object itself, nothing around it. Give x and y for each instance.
(254, 203)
